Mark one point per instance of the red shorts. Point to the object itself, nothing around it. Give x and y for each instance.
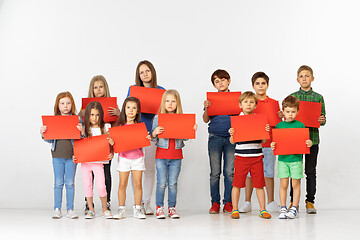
(244, 165)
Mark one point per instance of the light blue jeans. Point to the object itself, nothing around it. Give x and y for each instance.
(167, 174)
(220, 148)
(64, 173)
(269, 162)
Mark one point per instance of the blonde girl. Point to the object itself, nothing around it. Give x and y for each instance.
(99, 88)
(132, 160)
(168, 157)
(95, 126)
(145, 76)
(62, 151)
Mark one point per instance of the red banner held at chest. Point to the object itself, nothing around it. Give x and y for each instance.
(61, 127)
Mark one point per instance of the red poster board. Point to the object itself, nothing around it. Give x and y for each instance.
(177, 126)
(270, 109)
(92, 149)
(223, 103)
(309, 113)
(61, 127)
(249, 127)
(129, 137)
(150, 98)
(290, 141)
(105, 102)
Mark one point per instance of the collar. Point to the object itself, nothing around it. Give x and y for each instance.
(306, 92)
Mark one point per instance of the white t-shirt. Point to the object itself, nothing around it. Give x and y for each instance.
(97, 132)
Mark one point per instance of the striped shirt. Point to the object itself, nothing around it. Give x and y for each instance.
(248, 149)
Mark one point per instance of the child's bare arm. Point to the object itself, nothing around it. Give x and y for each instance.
(157, 130)
(206, 117)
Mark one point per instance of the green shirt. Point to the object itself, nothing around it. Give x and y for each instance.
(311, 96)
(291, 157)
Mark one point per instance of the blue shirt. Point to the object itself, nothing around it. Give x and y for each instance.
(220, 125)
(146, 118)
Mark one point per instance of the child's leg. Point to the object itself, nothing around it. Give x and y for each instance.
(235, 196)
(228, 169)
(162, 169)
(98, 170)
(310, 172)
(248, 189)
(59, 171)
(137, 180)
(123, 182)
(70, 170)
(107, 172)
(297, 191)
(284, 183)
(215, 145)
(174, 171)
(269, 161)
(260, 194)
(87, 175)
(269, 182)
(149, 173)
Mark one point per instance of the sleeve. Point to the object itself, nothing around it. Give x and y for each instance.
(323, 112)
(154, 125)
(128, 94)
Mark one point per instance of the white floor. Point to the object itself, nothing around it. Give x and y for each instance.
(327, 224)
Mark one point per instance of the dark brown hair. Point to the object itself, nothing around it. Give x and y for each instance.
(138, 81)
(290, 101)
(94, 105)
(259, 75)
(64, 95)
(220, 73)
(122, 120)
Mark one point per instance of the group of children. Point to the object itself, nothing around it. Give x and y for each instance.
(249, 164)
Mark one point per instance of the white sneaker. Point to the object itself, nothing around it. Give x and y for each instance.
(107, 214)
(273, 207)
(172, 213)
(71, 214)
(245, 207)
(283, 212)
(121, 213)
(292, 213)
(147, 209)
(139, 212)
(90, 215)
(57, 214)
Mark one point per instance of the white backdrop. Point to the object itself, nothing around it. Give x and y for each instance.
(47, 47)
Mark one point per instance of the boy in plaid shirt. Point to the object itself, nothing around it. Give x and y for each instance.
(305, 78)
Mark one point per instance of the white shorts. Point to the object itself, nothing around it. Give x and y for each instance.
(127, 165)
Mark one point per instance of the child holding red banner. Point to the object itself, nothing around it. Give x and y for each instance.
(95, 126)
(305, 77)
(260, 83)
(168, 157)
(99, 88)
(62, 151)
(145, 76)
(132, 160)
(290, 165)
(218, 146)
(248, 158)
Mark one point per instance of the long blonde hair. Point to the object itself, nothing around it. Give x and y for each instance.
(91, 87)
(177, 98)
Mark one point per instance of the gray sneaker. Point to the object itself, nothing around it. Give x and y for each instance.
(147, 209)
(139, 212)
(57, 214)
(245, 207)
(71, 214)
(121, 213)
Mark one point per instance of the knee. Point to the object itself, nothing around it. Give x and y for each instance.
(59, 183)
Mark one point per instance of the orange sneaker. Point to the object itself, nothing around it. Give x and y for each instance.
(235, 214)
(264, 214)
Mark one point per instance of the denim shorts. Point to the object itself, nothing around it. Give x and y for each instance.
(269, 162)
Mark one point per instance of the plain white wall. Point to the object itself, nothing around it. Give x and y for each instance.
(51, 46)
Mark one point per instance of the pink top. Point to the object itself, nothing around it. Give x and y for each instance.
(132, 154)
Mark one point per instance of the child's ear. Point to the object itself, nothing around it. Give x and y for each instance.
(240, 106)
(229, 81)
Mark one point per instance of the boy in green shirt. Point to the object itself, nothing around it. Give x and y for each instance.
(290, 165)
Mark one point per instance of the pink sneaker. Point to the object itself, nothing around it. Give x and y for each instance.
(172, 213)
(160, 212)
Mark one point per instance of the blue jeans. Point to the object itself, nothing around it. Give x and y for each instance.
(167, 174)
(219, 147)
(64, 172)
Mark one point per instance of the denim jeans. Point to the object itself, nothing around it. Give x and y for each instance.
(167, 174)
(220, 147)
(64, 173)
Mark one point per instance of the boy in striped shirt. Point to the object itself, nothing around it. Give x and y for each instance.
(248, 158)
